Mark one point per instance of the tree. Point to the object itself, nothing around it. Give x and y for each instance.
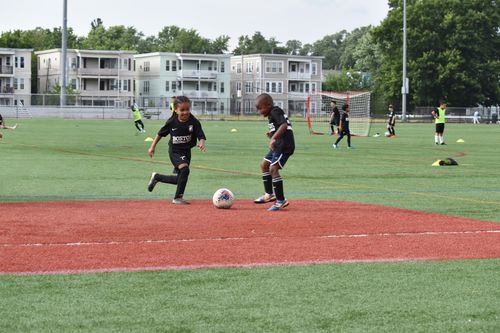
(256, 44)
(453, 51)
(346, 80)
(330, 47)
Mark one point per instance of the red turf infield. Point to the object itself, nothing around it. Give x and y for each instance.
(67, 237)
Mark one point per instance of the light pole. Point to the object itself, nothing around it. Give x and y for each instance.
(64, 52)
(405, 83)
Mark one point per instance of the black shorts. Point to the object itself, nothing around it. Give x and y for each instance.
(179, 157)
(440, 128)
(277, 158)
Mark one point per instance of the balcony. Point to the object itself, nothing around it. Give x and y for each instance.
(7, 90)
(200, 94)
(299, 76)
(196, 74)
(98, 71)
(8, 70)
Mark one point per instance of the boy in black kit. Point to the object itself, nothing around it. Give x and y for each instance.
(344, 128)
(391, 122)
(335, 117)
(281, 147)
(184, 130)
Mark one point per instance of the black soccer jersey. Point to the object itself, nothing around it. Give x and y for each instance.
(345, 121)
(277, 117)
(391, 119)
(183, 135)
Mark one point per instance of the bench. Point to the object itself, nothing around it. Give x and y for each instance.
(150, 113)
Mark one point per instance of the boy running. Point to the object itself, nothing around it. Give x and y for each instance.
(184, 130)
(281, 147)
(137, 118)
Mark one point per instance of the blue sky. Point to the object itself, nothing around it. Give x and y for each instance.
(305, 20)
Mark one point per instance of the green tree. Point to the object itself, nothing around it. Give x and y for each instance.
(453, 51)
(346, 80)
(330, 47)
(257, 44)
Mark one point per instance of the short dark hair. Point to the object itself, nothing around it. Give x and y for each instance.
(268, 98)
(345, 106)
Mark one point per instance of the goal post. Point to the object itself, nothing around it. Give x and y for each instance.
(319, 111)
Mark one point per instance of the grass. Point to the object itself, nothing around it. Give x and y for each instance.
(54, 159)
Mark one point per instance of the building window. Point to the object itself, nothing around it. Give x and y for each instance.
(249, 67)
(125, 85)
(15, 83)
(73, 63)
(174, 65)
(314, 68)
(274, 87)
(238, 86)
(257, 67)
(167, 85)
(222, 66)
(274, 67)
(167, 66)
(248, 87)
(258, 88)
(313, 87)
(16, 62)
(222, 87)
(238, 67)
(145, 89)
(73, 84)
(146, 66)
(174, 86)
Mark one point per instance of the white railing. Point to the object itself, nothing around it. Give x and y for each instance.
(196, 74)
(299, 76)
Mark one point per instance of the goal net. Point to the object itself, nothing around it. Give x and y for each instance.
(319, 111)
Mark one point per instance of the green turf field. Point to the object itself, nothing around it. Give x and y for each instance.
(54, 159)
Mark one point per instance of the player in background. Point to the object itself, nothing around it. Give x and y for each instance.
(185, 133)
(137, 118)
(391, 122)
(4, 126)
(344, 128)
(335, 117)
(475, 118)
(281, 147)
(439, 117)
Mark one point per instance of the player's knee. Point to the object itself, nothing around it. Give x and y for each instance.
(264, 165)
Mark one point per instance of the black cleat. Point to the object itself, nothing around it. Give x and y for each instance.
(152, 182)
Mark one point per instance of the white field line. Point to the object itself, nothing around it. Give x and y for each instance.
(222, 239)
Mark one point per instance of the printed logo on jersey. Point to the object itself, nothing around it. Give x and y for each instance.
(181, 139)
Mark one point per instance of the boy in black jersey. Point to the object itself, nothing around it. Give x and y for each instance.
(184, 130)
(391, 122)
(335, 117)
(344, 127)
(281, 147)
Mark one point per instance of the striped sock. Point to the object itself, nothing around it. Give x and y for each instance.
(267, 180)
(278, 188)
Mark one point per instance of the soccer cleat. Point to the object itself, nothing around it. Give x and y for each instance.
(14, 127)
(180, 201)
(278, 205)
(265, 198)
(442, 143)
(152, 182)
(334, 146)
(350, 147)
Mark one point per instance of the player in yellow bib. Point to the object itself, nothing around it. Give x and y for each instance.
(439, 118)
(137, 118)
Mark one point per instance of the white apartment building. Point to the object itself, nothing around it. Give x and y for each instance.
(204, 78)
(289, 79)
(99, 77)
(15, 76)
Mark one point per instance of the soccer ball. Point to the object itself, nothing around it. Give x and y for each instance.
(387, 134)
(223, 198)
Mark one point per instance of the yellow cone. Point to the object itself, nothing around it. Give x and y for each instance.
(149, 139)
(460, 141)
(436, 163)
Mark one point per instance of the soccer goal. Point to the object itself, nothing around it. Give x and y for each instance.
(319, 111)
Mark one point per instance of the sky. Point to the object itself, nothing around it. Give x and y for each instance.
(304, 20)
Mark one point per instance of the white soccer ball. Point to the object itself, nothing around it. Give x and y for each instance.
(223, 198)
(387, 134)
